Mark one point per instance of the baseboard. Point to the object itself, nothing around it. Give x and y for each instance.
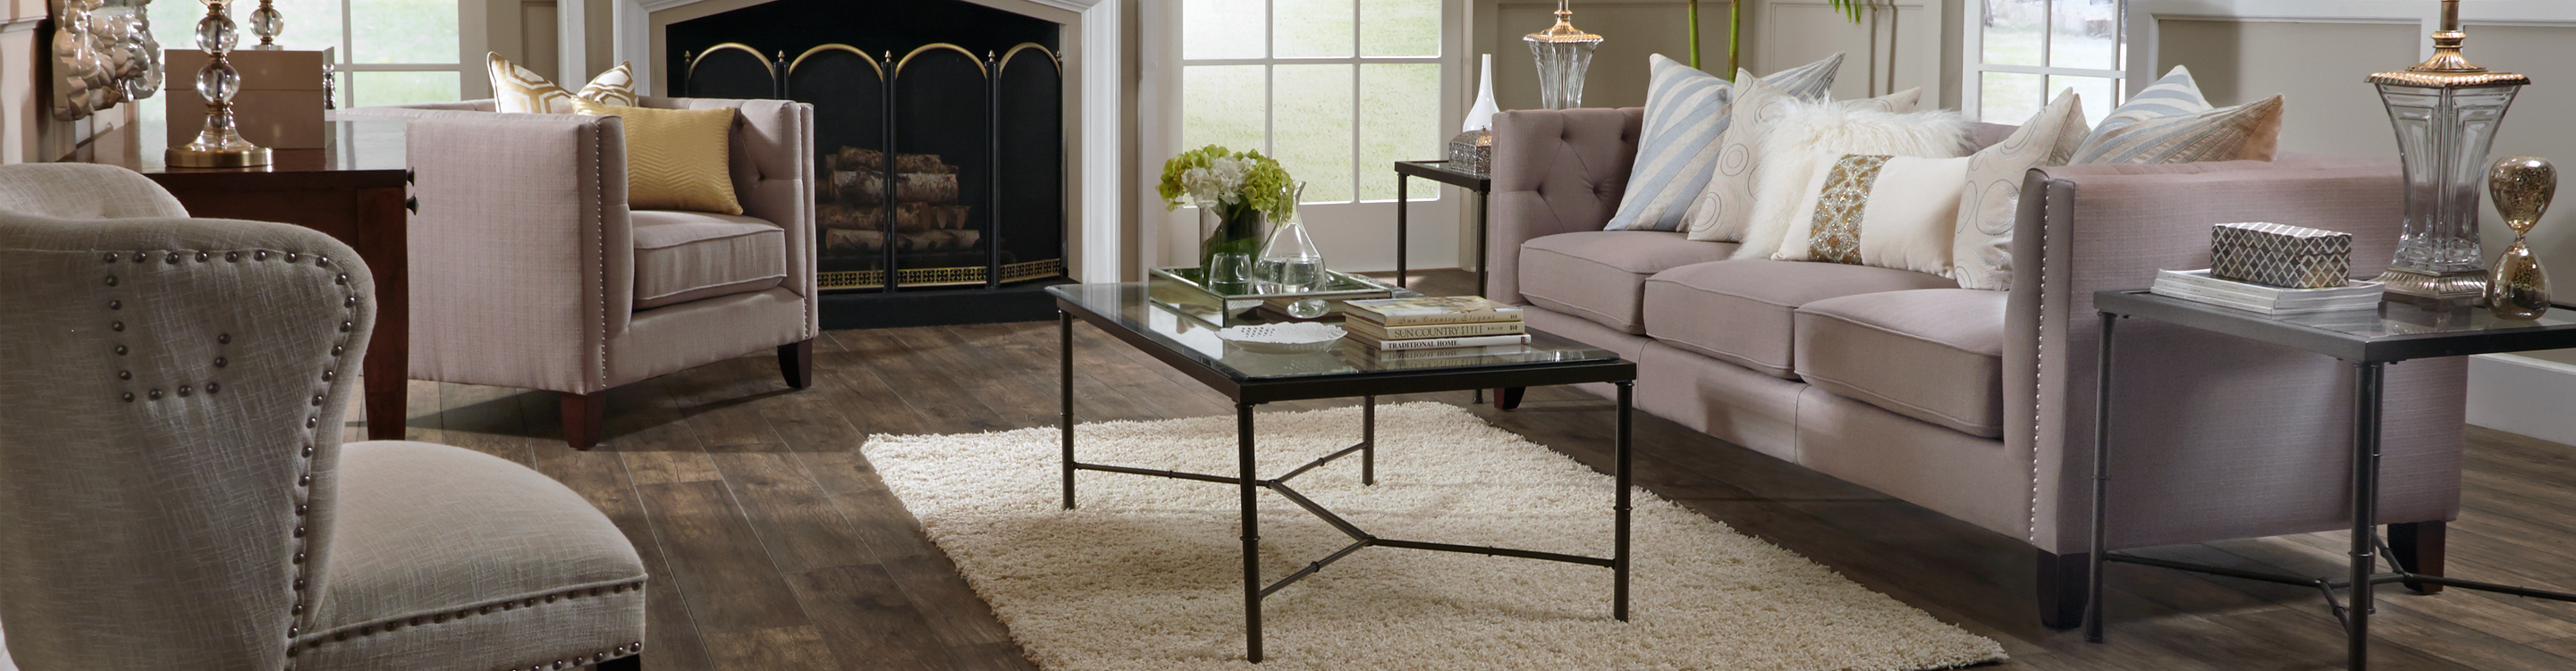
(2520, 394)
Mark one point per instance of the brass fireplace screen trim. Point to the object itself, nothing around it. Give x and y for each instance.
(933, 277)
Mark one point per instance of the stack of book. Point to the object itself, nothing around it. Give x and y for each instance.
(2199, 286)
(1432, 323)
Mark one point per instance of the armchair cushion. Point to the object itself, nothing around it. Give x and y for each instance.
(1596, 274)
(1931, 354)
(686, 256)
(449, 558)
(1739, 311)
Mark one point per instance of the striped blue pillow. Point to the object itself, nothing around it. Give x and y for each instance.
(2170, 122)
(1686, 112)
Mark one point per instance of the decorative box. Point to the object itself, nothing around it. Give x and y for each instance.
(280, 104)
(2280, 255)
(1472, 151)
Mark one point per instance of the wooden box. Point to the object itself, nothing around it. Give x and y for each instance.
(279, 107)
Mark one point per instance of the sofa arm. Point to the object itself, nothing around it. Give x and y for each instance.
(773, 175)
(2213, 437)
(522, 255)
(1554, 171)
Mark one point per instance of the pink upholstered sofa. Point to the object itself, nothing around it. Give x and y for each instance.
(1979, 404)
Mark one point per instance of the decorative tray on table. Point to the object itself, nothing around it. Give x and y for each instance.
(1182, 290)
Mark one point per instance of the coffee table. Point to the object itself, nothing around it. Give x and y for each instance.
(1250, 379)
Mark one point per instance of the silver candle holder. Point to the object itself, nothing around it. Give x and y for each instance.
(219, 144)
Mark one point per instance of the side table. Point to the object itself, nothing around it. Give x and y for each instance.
(2367, 340)
(1439, 171)
(352, 190)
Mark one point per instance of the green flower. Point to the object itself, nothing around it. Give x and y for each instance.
(1228, 180)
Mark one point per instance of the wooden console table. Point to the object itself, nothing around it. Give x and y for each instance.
(352, 190)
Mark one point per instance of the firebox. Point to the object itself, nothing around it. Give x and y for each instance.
(939, 132)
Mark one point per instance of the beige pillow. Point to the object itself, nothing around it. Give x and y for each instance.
(518, 89)
(1791, 143)
(1877, 210)
(2171, 122)
(1724, 210)
(675, 159)
(1981, 249)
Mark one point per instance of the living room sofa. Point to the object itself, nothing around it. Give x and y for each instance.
(1980, 404)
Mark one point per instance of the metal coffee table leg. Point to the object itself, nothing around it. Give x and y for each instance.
(1619, 560)
(1368, 440)
(1249, 483)
(2365, 512)
(1064, 368)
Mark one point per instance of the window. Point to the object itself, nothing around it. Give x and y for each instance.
(399, 51)
(1337, 90)
(2022, 52)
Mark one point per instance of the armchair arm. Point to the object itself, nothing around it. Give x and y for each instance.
(1554, 171)
(773, 177)
(522, 255)
(2213, 437)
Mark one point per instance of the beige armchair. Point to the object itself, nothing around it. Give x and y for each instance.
(528, 270)
(173, 490)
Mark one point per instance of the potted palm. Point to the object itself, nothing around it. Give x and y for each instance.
(1236, 193)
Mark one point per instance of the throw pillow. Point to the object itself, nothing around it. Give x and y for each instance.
(1981, 250)
(1724, 209)
(1789, 148)
(2170, 122)
(1877, 210)
(518, 89)
(675, 159)
(1686, 112)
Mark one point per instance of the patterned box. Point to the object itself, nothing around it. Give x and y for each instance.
(1471, 151)
(2280, 255)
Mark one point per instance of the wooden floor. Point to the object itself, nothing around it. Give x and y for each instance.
(774, 546)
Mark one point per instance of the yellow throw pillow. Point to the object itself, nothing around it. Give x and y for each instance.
(518, 89)
(675, 159)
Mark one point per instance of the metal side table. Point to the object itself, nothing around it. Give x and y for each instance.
(2367, 340)
(1439, 171)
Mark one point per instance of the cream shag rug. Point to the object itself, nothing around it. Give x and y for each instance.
(1147, 573)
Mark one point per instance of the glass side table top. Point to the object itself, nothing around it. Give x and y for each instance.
(2394, 331)
(1129, 307)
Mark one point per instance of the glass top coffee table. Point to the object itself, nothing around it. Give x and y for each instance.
(1343, 371)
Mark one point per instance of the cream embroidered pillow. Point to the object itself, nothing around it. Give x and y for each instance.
(675, 159)
(1724, 210)
(1875, 210)
(1789, 148)
(1981, 249)
(518, 89)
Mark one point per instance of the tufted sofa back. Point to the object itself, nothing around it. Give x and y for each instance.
(1554, 171)
(171, 395)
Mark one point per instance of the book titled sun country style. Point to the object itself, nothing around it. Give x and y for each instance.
(1422, 310)
(1372, 329)
(1437, 343)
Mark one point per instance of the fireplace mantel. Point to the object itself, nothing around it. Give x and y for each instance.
(1091, 55)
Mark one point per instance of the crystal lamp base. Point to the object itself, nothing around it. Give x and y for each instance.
(2406, 283)
(183, 157)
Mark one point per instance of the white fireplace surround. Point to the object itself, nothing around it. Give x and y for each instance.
(1093, 57)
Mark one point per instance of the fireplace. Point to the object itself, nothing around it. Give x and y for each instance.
(939, 141)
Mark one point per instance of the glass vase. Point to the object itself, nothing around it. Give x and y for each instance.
(1231, 245)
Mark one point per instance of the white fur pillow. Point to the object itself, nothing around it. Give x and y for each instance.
(1806, 129)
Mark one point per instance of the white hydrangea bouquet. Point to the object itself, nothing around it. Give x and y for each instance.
(1234, 191)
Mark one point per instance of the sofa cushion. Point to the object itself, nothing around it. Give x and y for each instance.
(686, 256)
(1596, 274)
(1739, 311)
(1931, 354)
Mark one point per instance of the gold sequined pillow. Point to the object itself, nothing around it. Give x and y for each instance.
(1885, 211)
(675, 159)
(518, 89)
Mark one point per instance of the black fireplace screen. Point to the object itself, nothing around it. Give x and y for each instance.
(938, 167)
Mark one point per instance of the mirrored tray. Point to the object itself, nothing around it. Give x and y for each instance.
(1184, 291)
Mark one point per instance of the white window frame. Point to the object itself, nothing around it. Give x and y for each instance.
(1270, 73)
(467, 23)
(1973, 66)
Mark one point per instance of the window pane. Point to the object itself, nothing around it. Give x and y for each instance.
(396, 88)
(1399, 121)
(1222, 105)
(2013, 31)
(311, 25)
(1224, 29)
(2085, 34)
(402, 31)
(1399, 27)
(1312, 128)
(2100, 94)
(1311, 28)
(2010, 98)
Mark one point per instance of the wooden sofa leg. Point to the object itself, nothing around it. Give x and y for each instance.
(626, 663)
(2061, 589)
(796, 362)
(1508, 397)
(2418, 546)
(582, 416)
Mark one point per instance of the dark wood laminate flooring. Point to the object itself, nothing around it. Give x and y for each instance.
(773, 545)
